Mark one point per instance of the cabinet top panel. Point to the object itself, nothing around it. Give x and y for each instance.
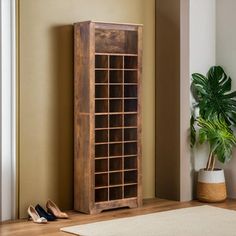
(112, 37)
(112, 25)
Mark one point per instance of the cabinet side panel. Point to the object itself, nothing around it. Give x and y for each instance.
(82, 66)
(140, 52)
(81, 117)
(82, 152)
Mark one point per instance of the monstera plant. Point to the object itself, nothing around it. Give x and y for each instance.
(213, 97)
(213, 123)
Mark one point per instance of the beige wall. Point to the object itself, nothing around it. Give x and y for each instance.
(46, 93)
(167, 99)
(173, 176)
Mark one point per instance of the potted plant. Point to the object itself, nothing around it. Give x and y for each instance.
(211, 182)
(217, 112)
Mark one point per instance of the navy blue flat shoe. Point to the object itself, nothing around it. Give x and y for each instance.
(43, 213)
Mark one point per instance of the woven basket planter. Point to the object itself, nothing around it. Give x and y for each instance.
(211, 186)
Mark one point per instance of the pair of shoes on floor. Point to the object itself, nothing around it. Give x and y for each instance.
(40, 216)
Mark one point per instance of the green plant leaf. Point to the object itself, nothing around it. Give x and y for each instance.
(202, 136)
(212, 93)
(219, 136)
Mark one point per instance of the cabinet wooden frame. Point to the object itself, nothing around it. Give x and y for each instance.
(107, 116)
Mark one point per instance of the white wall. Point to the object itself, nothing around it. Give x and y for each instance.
(7, 111)
(226, 57)
(202, 52)
(202, 35)
(212, 41)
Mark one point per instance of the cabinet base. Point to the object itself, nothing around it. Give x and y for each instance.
(103, 206)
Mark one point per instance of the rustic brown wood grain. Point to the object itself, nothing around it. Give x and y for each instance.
(108, 66)
(82, 137)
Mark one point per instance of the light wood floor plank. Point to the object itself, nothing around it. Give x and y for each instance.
(28, 228)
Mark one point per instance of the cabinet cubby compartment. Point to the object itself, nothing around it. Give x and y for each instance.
(101, 136)
(130, 91)
(115, 164)
(130, 162)
(115, 105)
(115, 135)
(101, 91)
(101, 180)
(101, 150)
(115, 178)
(101, 76)
(101, 106)
(101, 165)
(130, 191)
(115, 193)
(130, 105)
(116, 76)
(130, 120)
(115, 120)
(116, 62)
(107, 111)
(131, 62)
(115, 149)
(101, 61)
(130, 148)
(101, 121)
(101, 195)
(130, 76)
(116, 91)
(130, 134)
(130, 177)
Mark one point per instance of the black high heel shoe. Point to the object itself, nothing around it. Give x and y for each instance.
(44, 214)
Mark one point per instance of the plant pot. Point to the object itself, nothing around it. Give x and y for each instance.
(211, 186)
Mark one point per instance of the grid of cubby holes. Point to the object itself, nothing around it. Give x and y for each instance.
(116, 105)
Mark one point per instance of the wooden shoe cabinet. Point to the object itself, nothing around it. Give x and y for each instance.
(107, 116)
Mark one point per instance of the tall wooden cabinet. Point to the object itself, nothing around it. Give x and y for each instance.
(107, 116)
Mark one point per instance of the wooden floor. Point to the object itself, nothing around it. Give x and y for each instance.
(28, 228)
